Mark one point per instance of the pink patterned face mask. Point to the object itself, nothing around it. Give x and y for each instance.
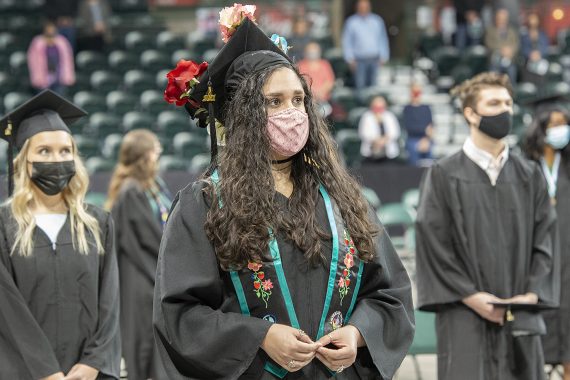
(288, 131)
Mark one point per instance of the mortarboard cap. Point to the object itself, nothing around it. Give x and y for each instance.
(247, 51)
(46, 111)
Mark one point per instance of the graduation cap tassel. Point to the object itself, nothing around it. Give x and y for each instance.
(210, 98)
(8, 133)
(10, 170)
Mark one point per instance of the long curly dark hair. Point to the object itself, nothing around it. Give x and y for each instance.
(239, 229)
(533, 143)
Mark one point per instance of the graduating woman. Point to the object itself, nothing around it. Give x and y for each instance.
(547, 144)
(273, 265)
(140, 205)
(58, 274)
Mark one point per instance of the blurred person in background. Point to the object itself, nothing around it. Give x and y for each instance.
(379, 132)
(320, 74)
(300, 38)
(547, 144)
(534, 48)
(365, 44)
(139, 203)
(93, 23)
(486, 241)
(58, 269)
(470, 28)
(503, 42)
(63, 13)
(418, 124)
(50, 61)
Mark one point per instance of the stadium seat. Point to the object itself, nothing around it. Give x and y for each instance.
(411, 198)
(8, 83)
(345, 97)
(181, 54)
(154, 60)
(397, 220)
(122, 61)
(209, 55)
(152, 102)
(425, 338)
(170, 123)
(120, 102)
(112, 146)
(161, 81)
(96, 199)
(137, 81)
(429, 42)
(167, 41)
(199, 163)
(130, 5)
(446, 58)
(187, 145)
(103, 81)
(19, 64)
(349, 144)
(102, 124)
(524, 92)
(137, 120)
(87, 147)
(339, 65)
(89, 101)
(99, 165)
(168, 163)
(372, 198)
(354, 117)
(82, 82)
(137, 42)
(366, 95)
(90, 61)
(14, 99)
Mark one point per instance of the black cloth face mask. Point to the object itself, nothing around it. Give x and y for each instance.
(496, 126)
(52, 177)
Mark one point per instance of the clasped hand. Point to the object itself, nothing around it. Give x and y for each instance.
(292, 349)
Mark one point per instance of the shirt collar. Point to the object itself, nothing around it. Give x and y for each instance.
(483, 159)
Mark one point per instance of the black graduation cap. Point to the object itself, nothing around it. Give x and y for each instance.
(248, 50)
(46, 111)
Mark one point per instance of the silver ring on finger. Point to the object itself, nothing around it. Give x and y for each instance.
(292, 364)
(301, 333)
(340, 369)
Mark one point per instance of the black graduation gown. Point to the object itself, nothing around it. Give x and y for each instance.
(59, 308)
(472, 236)
(201, 333)
(138, 233)
(557, 341)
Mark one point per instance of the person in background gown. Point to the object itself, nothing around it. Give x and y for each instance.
(486, 233)
(547, 144)
(139, 202)
(272, 265)
(58, 272)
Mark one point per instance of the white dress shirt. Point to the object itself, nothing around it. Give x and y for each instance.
(485, 160)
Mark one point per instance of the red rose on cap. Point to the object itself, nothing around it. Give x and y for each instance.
(181, 80)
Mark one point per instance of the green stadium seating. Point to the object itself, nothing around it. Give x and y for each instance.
(96, 199)
(349, 144)
(14, 99)
(425, 339)
(8, 83)
(372, 198)
(137, 81)
(112, 146)
(154, 60)
(187, 145)
(168, 163)
(122, 61)
(411, 198)
(103, 81)
(120, 102)
(167, 41)
(89, 101)
(99, 165)
(354, 116)
(160, 80)
(90, 61)
(170, 123)
(446, 59)
(199, 163)
(102, 124)
(152, 102)
(137, 120)
(137, 42)
(87, 147)
(19, 64)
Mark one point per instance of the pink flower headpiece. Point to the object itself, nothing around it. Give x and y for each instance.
(232, 17)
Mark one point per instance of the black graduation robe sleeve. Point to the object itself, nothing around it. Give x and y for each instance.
(384, 312)
(103, 349)
(195, 338)
(21, 338)
(441, 276)
(544, 277)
